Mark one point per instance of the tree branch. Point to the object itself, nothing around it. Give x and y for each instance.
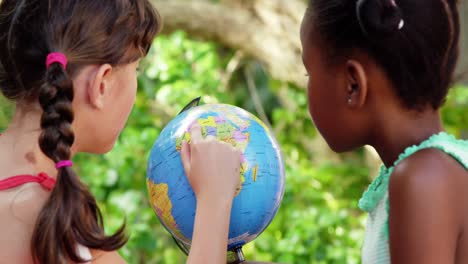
(267, 30)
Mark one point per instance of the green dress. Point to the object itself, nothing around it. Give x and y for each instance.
(375, 201)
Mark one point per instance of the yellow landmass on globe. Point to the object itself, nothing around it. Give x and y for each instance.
(210, 121)
(237, 120)
(243, 122)
(179, 140)
(254, 173)
(159, 196)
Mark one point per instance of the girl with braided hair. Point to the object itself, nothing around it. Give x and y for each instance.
(379, 71)
(70, 67)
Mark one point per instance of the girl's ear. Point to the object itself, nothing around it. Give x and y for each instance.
(100, 86)
(357, 84)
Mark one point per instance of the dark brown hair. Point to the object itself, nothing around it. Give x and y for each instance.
(87, 32)
(415, 41)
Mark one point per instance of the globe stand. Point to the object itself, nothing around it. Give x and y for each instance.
(236, 256)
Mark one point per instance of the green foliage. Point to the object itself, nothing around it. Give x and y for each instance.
(455, 111)
(318, 221)
(6, 110)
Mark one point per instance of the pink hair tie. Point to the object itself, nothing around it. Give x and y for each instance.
(64, 164)
(56, 57)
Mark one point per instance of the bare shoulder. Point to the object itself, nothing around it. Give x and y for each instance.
(28, 201)
(428, 201)
(19, 208)
(102, 257)
(428, 174)
(23, 203)
(430, 169)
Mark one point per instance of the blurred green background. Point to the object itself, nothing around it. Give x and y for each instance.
(318, 221)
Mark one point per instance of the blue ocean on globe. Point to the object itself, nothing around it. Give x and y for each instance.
(262, 173)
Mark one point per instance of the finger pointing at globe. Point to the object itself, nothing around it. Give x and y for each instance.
(212, 167)
(185, 156)
(196, 133)
(185, 152)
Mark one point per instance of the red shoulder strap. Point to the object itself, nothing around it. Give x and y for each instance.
(43, 179)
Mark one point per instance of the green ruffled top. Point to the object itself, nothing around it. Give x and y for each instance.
(375, 199)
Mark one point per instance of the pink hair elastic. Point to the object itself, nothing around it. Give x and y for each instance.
(64, 164)
(56, 57)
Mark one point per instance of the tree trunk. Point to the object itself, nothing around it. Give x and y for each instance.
(267, 30)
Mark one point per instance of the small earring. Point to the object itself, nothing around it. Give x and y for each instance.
(350, 100)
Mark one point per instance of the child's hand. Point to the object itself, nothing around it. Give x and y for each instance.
(212, 167)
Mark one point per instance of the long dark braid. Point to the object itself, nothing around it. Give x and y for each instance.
(70, 197)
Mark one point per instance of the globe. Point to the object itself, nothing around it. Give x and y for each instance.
(262, 173)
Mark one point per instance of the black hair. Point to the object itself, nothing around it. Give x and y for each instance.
(416, 42)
